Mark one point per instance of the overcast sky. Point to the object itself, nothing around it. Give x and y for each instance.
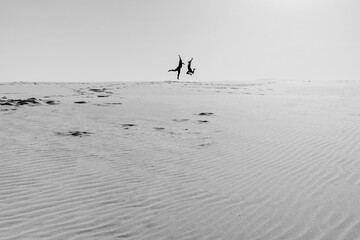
(139, 40)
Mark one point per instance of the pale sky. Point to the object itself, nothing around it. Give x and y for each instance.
(139, 40)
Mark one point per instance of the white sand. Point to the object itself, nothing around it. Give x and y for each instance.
(276, 160)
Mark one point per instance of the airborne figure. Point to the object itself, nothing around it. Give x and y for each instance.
(190, 71)
(178, 69)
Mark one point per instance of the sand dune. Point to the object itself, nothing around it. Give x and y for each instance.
(268, 159)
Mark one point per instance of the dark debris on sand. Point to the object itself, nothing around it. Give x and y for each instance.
(114, 103)
(98, 90)
(80, 102)
(79, 133)
(4, 101)
(127, 125)
(206, 114)
(181, 120)
(51, 102)
(106, 104)
(74, 133)
(7, 109)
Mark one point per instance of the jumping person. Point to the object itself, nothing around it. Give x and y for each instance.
(190, 71)
(178, 69)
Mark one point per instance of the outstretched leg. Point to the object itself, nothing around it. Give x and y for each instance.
(178, 74)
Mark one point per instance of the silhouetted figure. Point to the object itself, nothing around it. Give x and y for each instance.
(190, 71)
(178, 69)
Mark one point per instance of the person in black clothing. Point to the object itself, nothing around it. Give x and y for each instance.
(178, 69)
(190, 71)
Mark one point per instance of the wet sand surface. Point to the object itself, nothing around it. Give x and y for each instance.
(267, 159)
